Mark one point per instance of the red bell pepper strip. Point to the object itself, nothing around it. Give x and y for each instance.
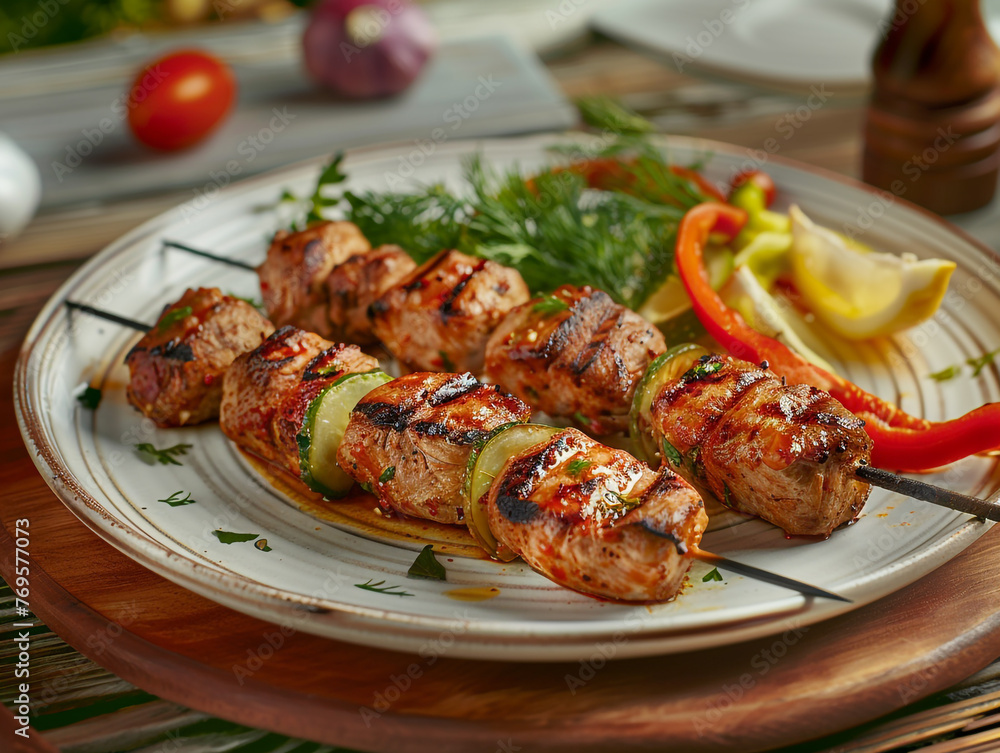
(901, 441)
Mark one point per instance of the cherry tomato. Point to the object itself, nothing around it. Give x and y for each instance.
(178, 100)
(762, 180)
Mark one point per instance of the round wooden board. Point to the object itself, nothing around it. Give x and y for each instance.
(802, 684)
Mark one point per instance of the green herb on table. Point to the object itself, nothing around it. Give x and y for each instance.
(166, 456)
(90, 398)
(607, 113)
(712, 574)
(175, 499)
(380, 587)
(427, 566)
(228, 537)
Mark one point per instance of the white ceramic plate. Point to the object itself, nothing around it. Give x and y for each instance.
(316, 558)
(781, 43)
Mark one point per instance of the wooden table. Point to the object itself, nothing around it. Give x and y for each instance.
(56, 243)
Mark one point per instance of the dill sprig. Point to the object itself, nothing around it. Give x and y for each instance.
(166, 456)
(380, 587)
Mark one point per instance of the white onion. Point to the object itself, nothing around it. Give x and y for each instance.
(367, 48)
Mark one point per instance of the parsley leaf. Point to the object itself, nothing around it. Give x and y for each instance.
(549, 305)
(387, 475)
(578, 466)
(426, 566)
(945, 374)
(175, 499)
(978, 364)
(713, 574)
(166, 456)
(172, 317)
(90, 398)
(228, 537)
(672, 454)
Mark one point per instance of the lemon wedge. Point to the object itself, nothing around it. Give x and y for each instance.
(671, 299)
(861, 295)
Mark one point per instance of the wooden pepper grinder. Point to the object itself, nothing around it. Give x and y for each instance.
(933, 126)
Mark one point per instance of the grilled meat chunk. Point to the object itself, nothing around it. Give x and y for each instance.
(440, 316)
(176, 369)
(293, 276)
(266, 392)
(357, 283)
(424, 427)
(785, 453)
(574, 354)
(597, 520)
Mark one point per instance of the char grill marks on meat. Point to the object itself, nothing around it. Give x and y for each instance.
(267, 391)
(176, 369)
(357, 283)
(293, 276)
(786, 453)
(595, 519)
(576, 354)
(424, 426)
(440, 316)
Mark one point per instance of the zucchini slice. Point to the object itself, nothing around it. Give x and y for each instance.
(324, 427)
(665, 368)
(484, 466)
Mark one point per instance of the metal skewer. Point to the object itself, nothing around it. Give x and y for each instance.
(100, 314)
(916, 489)
(765, 576)
(909, 487)
(209, 255)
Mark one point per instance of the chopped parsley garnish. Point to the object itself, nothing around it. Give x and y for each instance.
(387, 475)
(380, 587)
(582, 419)
(704, 368)
(166, 456)
(426, 566)
(228, 537)
(255, 303)
(672, 454)
(712, 574)
(90, 398)
(727, 497)
(367, 487)
(175, 499)
(549, 305)
(446, 362)
(945, 374)
(172, 317)
(578, 466)
(977, 364)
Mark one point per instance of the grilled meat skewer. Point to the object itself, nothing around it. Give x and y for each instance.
(597, 520)
(409, 440)
(267, 392)
(786, 453)
(294, 273)
(354, 285)
(440, 316)
(574, 354)
(176, 369)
